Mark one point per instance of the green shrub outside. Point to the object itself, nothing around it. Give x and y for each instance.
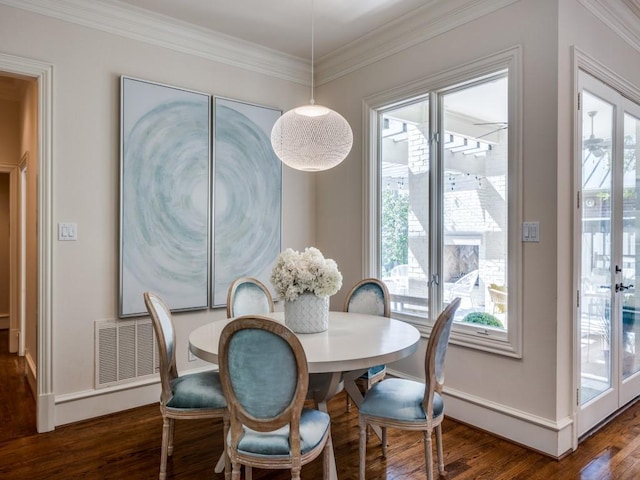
(482, 318)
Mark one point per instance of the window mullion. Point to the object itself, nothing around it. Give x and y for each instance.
(435, 202)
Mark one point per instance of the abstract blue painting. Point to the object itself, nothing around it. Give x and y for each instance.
(247, 195)
(165, 196)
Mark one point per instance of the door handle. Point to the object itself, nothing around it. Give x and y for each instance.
(621, 288)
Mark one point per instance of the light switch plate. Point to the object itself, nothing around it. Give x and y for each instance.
(531, 231)
(67, 231)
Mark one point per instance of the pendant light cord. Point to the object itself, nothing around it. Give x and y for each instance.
(312, 101)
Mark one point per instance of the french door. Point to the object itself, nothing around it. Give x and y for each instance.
(608, 224)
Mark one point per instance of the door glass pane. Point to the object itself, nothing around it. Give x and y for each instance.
(630, 306)
(595, 303)
(475, 222)
(404, 219)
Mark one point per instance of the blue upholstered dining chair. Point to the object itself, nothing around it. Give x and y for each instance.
(191, 396)
(409, 405)
(248, 296)
(264, 376)
(368, 296)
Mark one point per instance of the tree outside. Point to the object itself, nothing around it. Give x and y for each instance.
(395, 229)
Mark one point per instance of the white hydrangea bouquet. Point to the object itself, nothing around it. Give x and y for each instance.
(308, 271)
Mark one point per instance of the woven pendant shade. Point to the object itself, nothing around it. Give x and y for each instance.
(311, 138)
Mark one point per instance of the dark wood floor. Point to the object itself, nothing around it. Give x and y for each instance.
(17, 405)
(126, 446)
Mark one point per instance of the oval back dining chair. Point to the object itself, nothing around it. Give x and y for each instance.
(369, 296)
(248, 296)
(264, 375)
(409, 405)
(190, 396)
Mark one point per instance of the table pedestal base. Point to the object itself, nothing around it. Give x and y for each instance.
(354, 392)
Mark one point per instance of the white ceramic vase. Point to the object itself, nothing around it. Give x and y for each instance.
(307, 314)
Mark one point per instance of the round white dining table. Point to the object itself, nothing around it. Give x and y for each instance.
(336, 357)
(353, 341)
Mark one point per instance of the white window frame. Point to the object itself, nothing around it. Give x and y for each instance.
(507, 343)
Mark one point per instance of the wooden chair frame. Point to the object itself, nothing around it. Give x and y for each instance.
(380, 283)
(239, 417)
(240, 281)
(434, 383)
(168, 373)
(366, 383)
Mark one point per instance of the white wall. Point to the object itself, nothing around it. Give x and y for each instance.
(28, 125)
(4, 250)
(528, 400)
(9, 132)
(9, 155)
(528, 23)
(87, 68)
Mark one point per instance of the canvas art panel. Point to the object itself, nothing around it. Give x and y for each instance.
(165, 196)
(247, 220)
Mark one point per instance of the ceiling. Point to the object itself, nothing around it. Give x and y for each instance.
(285, 25)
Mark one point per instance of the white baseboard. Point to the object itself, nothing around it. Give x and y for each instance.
(31, 371)
(46, 413)
(14, 340)
(552, 438)
(96, 403)
(77, 406)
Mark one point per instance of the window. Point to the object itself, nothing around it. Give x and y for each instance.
(444, 201)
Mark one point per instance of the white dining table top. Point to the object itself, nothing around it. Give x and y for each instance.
(353, 341)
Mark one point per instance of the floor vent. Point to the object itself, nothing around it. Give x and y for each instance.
(126, 351)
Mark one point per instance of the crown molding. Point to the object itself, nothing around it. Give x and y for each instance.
(119, 19)
(621, 16)
(634, 6)
(434, 18)
(411, 29)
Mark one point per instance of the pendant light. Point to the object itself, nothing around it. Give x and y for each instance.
(311, 137)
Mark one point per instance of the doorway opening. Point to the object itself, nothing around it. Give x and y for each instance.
(608, 237)
(18, 256)
(38, 343)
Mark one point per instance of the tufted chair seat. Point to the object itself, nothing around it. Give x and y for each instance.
(401, 400)
(314, 425)
(197, 391)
